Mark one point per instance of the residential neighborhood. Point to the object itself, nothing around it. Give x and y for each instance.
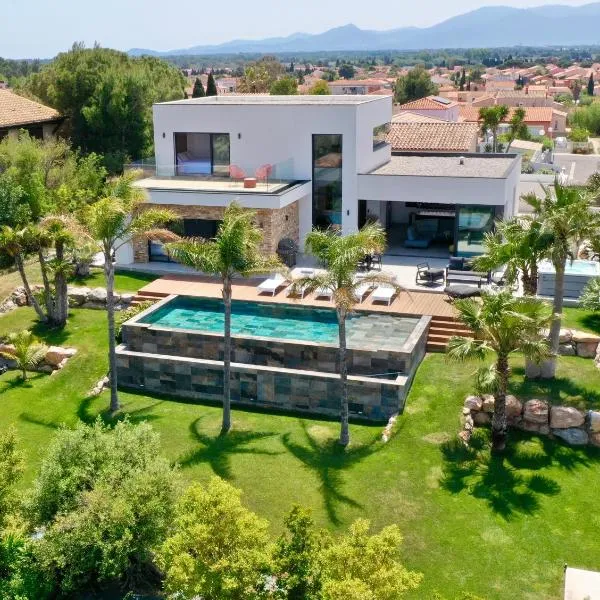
(284, 318)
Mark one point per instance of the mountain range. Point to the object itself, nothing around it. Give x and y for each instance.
(486, 27)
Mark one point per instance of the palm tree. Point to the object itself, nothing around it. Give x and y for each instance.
(567, 220)
(341, 255)
(502, 325)
(234, 251)
(111, 222)
(490, 118)
(517, 129)
(518, 244)
(28, 351)
(15, 243)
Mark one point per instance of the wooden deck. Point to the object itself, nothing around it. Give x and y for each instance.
(405, 303)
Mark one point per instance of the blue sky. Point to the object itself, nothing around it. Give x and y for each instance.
(41, 28)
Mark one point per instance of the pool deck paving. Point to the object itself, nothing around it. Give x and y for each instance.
(405, 303)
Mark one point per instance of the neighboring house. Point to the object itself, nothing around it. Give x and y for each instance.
(440, 136)
(315, 161)
(410, 117)
(17, 113)
(494, 85)
(431, 106)
(536, 118)
(356, 86)
(226, 86)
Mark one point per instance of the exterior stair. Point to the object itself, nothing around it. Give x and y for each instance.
(441, 329)
(143, 296)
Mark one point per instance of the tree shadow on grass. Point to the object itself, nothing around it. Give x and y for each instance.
(217, 450)
(510, 483)
(54, 336)
(16, 381)
(563, 390)
(328, 460)
(591, 322)
(138, 415)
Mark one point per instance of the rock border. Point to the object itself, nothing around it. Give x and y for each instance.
(55, 359)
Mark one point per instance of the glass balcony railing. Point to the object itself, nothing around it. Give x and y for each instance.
(201, 175)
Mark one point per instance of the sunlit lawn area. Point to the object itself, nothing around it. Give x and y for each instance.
(498, 528)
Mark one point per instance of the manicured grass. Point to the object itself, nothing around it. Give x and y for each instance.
(501, 528)
(578, 318)
(9, 280)
(125, 281)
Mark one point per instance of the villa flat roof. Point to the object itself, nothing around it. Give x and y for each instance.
(491, 167)
(346, 99)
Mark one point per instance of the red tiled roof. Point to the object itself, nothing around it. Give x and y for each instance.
(16, 110)
(533, 114)
(441, 136)
(428, 103)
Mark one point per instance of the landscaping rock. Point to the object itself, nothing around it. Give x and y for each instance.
(78, 295)
(20, 299)
(7, 348)
(566, 350)
(594, 421)
(587, 349)
(536, 412)
(563, 417)
(565, 336)
(540, 428)
(514, 408)
(465, 436)
(94, 305)
(573, 436)
(45, 369)
(480, 419)
(56, 355)
(473, 402)
(97, 295)
(7, 306)
(468, 426)
(585, 338)
(127, 298)
(595, 439)
(488, 403)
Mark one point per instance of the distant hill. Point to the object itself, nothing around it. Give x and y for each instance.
(491, 26)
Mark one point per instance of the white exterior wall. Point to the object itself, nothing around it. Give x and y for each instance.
(282, 133)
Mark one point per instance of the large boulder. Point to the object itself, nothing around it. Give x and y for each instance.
(127, 298)
(10, 348)
(481, 419)
(78, 295)
(55, 355)
(573, 436)
(564, 417)
(595, 439)
(594, 421)
(587, 349)
(20, 299)
(566, 350)
(514, 408)
(488, 403)
(584, 337)
(536, 411)
(473, 402)
(565, 336)
(541, 428)
(97, 295)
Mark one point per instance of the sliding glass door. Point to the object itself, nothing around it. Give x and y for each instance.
(327, 181)
(202, 153)
(473, 222)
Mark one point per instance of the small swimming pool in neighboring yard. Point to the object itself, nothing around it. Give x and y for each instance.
(282, 321)
(577, 267)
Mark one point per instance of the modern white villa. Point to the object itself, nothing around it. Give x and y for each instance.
(306, 161)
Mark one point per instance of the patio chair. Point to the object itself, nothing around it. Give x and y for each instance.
(362, 289)
(301, 290)
(236, 172)
(377, 260)
(263, 173)
(324, 292)
(383, 293)
(271, 285)
(425, 274)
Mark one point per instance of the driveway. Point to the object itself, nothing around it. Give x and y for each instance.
(578, 167)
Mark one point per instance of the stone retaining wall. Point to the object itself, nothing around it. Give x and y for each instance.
(565, 422)
(254, 385)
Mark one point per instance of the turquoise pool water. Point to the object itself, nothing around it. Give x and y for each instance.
(281, 321)
(577, 267)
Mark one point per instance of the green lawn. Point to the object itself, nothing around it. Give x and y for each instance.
(498, 528)
(125, 281)
(577, 318)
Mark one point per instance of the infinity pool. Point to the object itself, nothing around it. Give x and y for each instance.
(301, 323)
(576, 267)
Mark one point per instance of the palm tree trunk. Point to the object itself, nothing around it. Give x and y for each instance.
(226, 426)
(40, 313)
(499, 425)
(549, 367)
(60, 287)
(344, 427)
(109, 273)
(47, 291)
(494, 139)
(529, 278)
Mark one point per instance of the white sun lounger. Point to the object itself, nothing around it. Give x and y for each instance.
(361, 290)
(271, 285)
(383, 294)
(324, 292)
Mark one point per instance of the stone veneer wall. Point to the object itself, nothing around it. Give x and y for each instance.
(275, 224)
(141, 337)
(252, 385)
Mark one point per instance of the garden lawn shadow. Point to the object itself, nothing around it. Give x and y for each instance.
(217, 450)
(328, 459)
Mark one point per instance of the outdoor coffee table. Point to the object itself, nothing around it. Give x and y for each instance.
(462, 291)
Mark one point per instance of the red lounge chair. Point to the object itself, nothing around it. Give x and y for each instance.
(264, 172)
(236, 172)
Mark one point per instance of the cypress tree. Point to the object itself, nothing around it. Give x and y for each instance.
(211, 86)
(198, 91)
(590, 86)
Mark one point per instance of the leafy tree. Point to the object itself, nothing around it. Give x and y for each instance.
(11, 468)
(502, 325)
(590, 297)
(346, 71)
(105, 498)
(28, 352)
(107, 97)
(198, 91)
(234, 251)
(256, 80)
(296, 558)
(490, 118)
(341, 255)
(586, 117)
(286, 86)
(14, 208)
(517, 129)
(361, 566)
(567, 220)
(217, 548)
(320, 88)
(414, 85)
(590, 85)
(578, 134)
(211, 86)
(111, 222)
(462, 80)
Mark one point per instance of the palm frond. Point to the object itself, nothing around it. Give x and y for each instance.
(486, 380)
(465, 348)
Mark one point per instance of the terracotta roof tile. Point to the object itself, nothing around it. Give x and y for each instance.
(411, 117)
(434, 137)
(533, 114)
(16, 110)
(428, 103)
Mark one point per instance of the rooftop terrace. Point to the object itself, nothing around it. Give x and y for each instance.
(332, 100)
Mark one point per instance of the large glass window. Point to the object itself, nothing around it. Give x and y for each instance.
(473, 223)
(380, 134)
(327, 180)
(202, 153)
